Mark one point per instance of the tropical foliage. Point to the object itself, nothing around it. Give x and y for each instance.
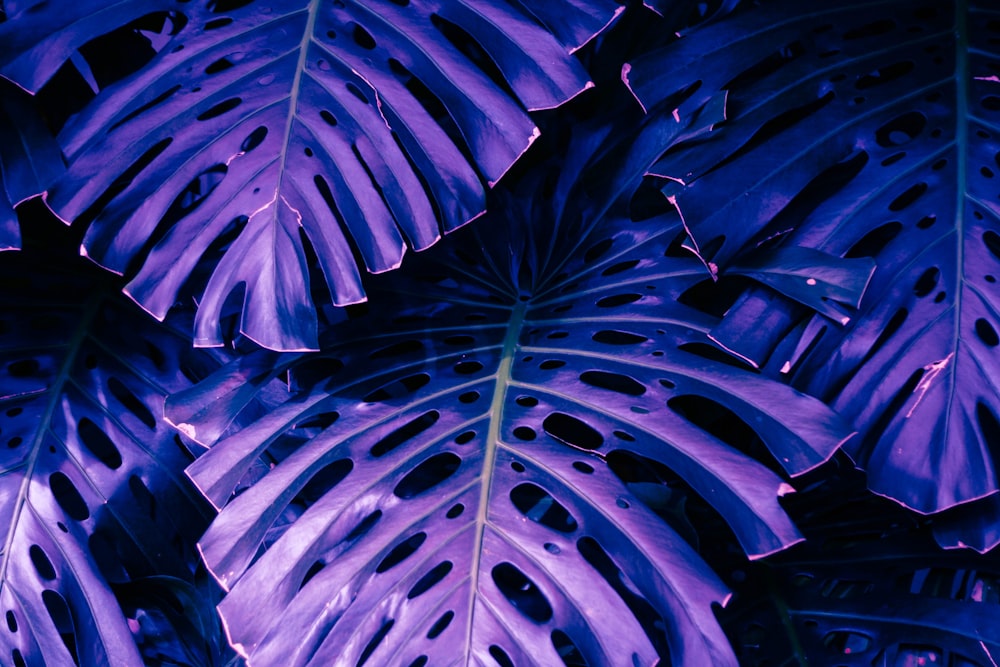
(694, 363)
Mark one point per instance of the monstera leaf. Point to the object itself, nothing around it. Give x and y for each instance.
(260, 134)
(29, 159)
(858, 130)
(93, 500)
(869, 586)
(467, 473)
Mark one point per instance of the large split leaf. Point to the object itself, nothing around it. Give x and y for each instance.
(468, 473)
(861, 130)
(93, 500)
(869, 586)
(29, 159)
(260, 133)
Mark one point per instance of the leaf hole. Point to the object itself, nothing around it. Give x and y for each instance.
(906, 199)
(500, 656)
(469, 397)
(538, 505)
(406, 432)
(986, 333)
(616, 382)
(526, 401)
(429, 580)
(363, 38)
(131, 402)
(374, 642)
(927, 282)
(67, 496)
(523, 594)
(617, 337)
(427, 475)
(455, 510)
(440, 625)
(572, 431)
(465, 437)
(524, 433)
(401, 552)
(41, 562)
(23, 368)
(567, 650)
(99, 444)
(220, 108)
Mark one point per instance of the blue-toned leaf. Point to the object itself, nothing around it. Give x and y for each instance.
(868, 586)
(861, 130)
(258, 134)
(92, 494)
(468, 471)
(29, 159)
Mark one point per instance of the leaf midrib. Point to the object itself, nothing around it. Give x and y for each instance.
(55, 393)
(503, 377)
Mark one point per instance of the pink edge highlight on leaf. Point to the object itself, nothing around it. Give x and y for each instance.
(614, 17)
(733, 352)
(45, 200)
(217, 508)
(838, 447)
(713, 270)
(586, 86)
(399, 263)
(155, 316)
(535, 133)
(626, 69)
(266, 347)
(765, 554)
(652, 8)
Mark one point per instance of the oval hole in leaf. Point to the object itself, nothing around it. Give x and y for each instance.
(68, 498)
(325, 479)
(11, 621)
(572, 431)
(405, 432)
(131, 402)
(468, 367)
(420, 660)
(440, 625)
(427, 474)
(43, 566)
(617, 337)
(221, 107)
(872, 243)
(501, 656)
(567, 650)
(62, 618)
(364, 526)
(398, 349)
(901, 130)
(622, 384)
(724, 424)
(538, 505)
(99, 444)
(595, 251)
(430, 579)
(401, 552)
(23, 368)
(398, 388)
(313, 570)
(650, 620)
(927, 281)
(374, 642)
(912, 194)
(618, 300)
(522, 593)
(254, 139)
(986, 332)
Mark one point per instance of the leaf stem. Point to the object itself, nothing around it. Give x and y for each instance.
(502, 379)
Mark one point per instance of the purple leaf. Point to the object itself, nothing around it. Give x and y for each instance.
(93, 498)
(352, 131)
(470, 469)
(861, 132)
